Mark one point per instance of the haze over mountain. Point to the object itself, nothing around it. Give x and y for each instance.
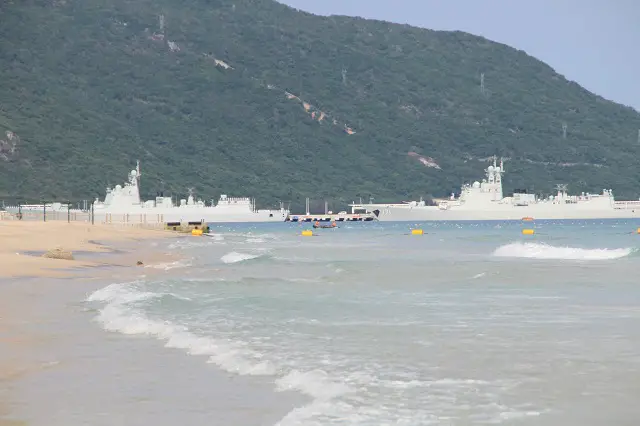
(251, 97)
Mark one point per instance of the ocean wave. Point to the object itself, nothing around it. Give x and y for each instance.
(122, 314)
(262, 236)
(235, 257)
(119, 293)
(546, 251)
(184, 244)
(181, 263)
(353, 395)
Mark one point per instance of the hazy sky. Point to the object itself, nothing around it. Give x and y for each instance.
(593, 42)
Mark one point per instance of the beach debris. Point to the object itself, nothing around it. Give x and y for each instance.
(58, 253)
(139, 263)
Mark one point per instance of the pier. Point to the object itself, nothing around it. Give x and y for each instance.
(328, 216)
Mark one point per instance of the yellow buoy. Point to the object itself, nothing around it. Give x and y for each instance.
(417, 232)
(528, 232)
(307, 233)
(196, 232)
(638, 230)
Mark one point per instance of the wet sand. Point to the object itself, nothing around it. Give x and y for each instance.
(58, 367)
(23, 279)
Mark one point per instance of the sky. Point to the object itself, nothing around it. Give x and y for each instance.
(595, 43)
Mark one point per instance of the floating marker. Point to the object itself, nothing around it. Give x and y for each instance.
(527, 219)
(307, 233)
(528, 232)
(417, 232)
(196, 232)
(638, 231)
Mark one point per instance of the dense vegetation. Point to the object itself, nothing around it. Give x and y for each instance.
(89, 86)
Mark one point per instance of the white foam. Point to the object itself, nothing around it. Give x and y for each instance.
(184, 244)
(545, 251)
(182, 263)
(235, 257)
(121, 315)
(352, 397)
(323, 390)
(216, 237)
(119, 293)
(315, 383)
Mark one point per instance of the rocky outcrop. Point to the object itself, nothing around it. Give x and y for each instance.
(8, 145)
(58, 253)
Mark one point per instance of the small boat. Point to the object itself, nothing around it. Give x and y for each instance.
(317, 225)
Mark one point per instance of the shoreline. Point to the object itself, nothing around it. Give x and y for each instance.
(58, 366)
(99, 251)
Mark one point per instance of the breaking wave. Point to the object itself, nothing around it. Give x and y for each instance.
(181, 263)
(546, 251)
(123, 311)
(235, 257)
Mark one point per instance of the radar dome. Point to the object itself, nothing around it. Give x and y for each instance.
(497, 169)
(133, 173)
(490, 168)
(476, 184)
(118, 187)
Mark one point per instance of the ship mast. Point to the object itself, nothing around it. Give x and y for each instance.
(137, 182)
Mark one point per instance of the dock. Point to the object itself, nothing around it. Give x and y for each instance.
(330, 217)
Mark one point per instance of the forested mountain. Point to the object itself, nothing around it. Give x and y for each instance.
(251, 97)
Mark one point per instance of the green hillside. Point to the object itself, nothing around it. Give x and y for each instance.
(250, 97)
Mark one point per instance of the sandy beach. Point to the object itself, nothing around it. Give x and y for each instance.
(22, 244)
(58, 367)
(25, 276)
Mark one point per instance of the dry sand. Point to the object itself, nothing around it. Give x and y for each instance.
(18, 238)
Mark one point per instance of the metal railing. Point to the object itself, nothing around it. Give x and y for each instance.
(18, 212)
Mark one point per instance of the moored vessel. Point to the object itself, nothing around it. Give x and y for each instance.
(485, 201)
(122, 204)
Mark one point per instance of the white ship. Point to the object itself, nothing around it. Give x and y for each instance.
(123, 204)
(485, 201)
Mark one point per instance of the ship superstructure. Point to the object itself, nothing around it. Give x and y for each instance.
(485, 201)
(122, 203)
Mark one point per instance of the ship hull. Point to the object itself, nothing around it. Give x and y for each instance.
(195, 215)
(153, 215)
(419, 214)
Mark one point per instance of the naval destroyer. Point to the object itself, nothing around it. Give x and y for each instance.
(485, 201)
(123, 204)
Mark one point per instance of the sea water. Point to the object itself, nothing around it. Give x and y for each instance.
(470, 323)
